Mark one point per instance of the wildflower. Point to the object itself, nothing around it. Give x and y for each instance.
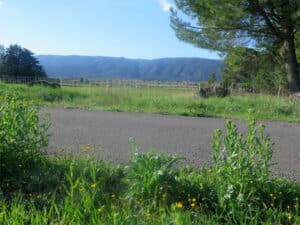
(272, 204)
(251, 181)
(271, 195)
(193, 205)
(179, 205)
(93, 185)
(86, 148)
(194, 200)
(113, 196)
(100, 210)
(288, 207)
(289, 217)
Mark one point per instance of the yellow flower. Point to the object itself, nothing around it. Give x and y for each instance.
(179, 205)
(289, 217)
(271, 195)
(194, 200)
(113, 196)
(86, 148)
(100, 210)
(93, 185)
(193, 205)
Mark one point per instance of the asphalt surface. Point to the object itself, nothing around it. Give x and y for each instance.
(108, 134)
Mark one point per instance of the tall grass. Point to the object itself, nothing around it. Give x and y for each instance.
(160, 100)
(150, 189)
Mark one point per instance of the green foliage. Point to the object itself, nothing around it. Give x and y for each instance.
(212, 79)
(22, 138)
(258, 71)
(151, 175)
(17, 61)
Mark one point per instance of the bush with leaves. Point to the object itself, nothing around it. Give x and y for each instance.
(22, 138)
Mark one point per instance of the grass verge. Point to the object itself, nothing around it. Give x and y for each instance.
(160, 100)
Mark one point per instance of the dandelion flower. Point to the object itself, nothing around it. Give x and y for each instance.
(93, 185)
(194, 200)
(193, 205)
(179, 205)
(86, 148)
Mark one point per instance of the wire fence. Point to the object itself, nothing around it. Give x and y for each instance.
(100, 82)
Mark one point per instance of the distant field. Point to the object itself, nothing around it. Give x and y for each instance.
(174, 101)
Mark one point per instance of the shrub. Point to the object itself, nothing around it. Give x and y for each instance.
(150, 176)
(22, 138)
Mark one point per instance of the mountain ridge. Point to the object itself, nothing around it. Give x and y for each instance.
(164, 69)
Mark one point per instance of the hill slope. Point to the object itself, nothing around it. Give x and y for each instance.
(165, 69)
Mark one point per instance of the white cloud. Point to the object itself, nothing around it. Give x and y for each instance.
(166, 5)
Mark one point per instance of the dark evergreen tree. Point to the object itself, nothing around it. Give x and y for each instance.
(20, 62)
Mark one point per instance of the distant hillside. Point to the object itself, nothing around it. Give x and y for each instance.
(165, 69)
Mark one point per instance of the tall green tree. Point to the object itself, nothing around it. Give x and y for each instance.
(18, 61)
(2, 54)
(222, 25)
(255, 70)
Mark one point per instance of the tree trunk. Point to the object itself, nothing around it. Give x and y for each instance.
(291, 65)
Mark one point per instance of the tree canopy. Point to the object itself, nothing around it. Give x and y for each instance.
(258, 24)
(16, 61)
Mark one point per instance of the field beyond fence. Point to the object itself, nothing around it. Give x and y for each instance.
(100, 82)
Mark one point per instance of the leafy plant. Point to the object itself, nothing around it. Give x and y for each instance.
(22, 137)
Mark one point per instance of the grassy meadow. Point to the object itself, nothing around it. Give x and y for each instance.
(149, 189)
(174, 101)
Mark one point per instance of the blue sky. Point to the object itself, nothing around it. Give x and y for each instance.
(120, 28)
